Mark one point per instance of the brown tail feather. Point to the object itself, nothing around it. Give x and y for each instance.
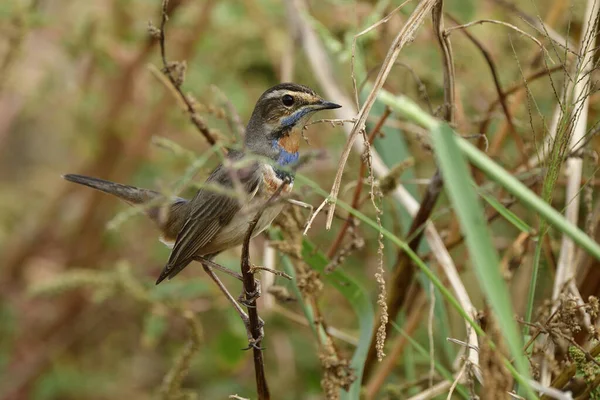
(130, 194)
(168, 217)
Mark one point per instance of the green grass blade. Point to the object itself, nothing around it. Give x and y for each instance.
(409, 109)
(303, 180)
(528, 198)
(506, 213)
(484, 257)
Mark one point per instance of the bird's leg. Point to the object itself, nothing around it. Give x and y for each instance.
(302, 204)
(252, 342)
(221, 268)
(218, 267)
(248, 298)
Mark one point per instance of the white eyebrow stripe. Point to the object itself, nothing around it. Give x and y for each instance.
(277, 93)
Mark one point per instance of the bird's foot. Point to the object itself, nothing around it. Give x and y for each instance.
(254, 343)
(249, 298)
(254, 268)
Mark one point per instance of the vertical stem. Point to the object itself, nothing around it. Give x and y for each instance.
(250, 290)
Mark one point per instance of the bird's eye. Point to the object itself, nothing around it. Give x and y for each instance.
(287, 100)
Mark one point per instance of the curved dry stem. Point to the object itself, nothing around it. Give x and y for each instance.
(317, 56)
(363, 32)
(511, 26)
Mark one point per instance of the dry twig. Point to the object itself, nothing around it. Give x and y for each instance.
(404, 36)
(251, 290)
(566, 269)
(175, 72)
(323, 71)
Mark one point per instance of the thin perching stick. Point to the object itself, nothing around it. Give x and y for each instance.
(250, 294)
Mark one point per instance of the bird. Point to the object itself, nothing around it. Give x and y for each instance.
(216, 220)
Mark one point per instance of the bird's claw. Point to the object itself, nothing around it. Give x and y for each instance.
(254, 343)
(249, 298)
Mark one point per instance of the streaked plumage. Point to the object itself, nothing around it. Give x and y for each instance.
(215, 221)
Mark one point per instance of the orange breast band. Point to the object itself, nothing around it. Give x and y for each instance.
(291, 142)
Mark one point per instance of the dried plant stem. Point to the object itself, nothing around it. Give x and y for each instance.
(176, 81)
(250, 292)
(387, 366)
(323, 71)
(404, 271)
(357, 191)
(566, 268)
(492, 21)
(404, 36)
(457, 380)
(501, 95)
(365, 31)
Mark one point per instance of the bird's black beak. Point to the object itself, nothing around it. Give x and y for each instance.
(327, 105)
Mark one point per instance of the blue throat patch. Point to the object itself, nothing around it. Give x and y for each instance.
(295, 117)
(284, 158)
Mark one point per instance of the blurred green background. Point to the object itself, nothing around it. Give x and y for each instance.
(77, 95)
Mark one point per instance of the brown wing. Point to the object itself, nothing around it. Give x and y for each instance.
(209, 211)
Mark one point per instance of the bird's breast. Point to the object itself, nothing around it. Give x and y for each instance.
(272, 180)
(290, 142)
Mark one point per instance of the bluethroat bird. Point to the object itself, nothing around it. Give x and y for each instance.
(214, 220)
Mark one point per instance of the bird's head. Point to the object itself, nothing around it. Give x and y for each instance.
(278, 118)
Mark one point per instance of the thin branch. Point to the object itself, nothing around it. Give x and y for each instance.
(501, 95)
(404, 36)
(357, 191)
(511, 26)
(404, 270)
(275, 272)
(483, 126)
(175, 72)
(251, 292)
(324, 73)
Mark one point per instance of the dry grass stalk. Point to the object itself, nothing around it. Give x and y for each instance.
(323, 71)
(405, 35)
(566, 268)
